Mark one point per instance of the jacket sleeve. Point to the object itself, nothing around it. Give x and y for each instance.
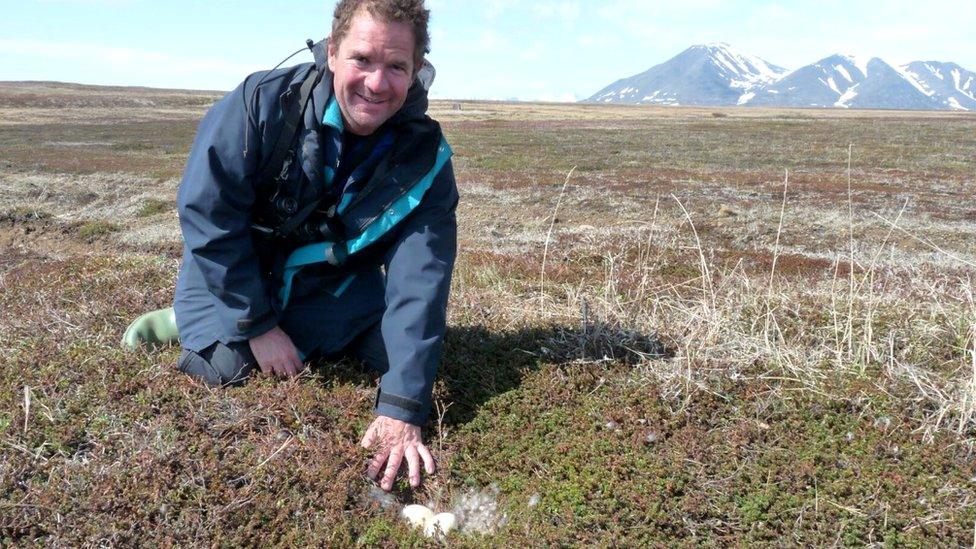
(214, 202)
(418, 279)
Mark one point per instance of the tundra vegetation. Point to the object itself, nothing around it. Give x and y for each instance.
(674, 343)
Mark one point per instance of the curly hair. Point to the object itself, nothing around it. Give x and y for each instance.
(411, 12)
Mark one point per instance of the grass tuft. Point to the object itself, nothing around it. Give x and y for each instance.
(94, 230)
(154, 206)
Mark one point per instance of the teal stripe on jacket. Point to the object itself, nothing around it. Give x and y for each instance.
(336, 252)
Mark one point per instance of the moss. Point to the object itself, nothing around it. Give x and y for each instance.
(93, 230)
(132, 146)
(592, 478)
(377, 533)
(155, 206)
(753, 507)
(679, 272)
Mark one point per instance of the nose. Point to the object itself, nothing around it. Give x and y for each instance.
(377, 81)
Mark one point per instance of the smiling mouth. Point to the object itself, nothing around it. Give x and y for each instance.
(370, 101)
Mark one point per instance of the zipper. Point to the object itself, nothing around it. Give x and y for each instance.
(362, 226)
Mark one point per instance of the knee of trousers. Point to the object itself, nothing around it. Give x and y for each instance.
(219, 365)
(371, 349)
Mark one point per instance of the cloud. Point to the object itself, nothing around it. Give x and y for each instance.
(565, 11)
(491, 40)
(89, 3)
(598, 40)
(535, 52)
(496, 8)
(128, 65)
(643, 12)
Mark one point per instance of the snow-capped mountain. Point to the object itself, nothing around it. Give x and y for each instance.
(709, 74)
(823, 83)
(718, 75)
(887, 87)
(947, 81)
(845, 81)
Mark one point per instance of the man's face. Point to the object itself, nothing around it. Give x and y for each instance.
(373, 70)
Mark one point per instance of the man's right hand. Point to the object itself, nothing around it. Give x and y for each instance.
(276, 354)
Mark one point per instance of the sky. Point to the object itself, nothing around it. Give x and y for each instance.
(544, 50)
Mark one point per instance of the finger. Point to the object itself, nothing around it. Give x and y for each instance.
(274, 366)
(286, 364)
(392, 466)
(370, 437)
(291, 367)
(264, 365)
(413, 466)
(428, 459)
(295, 363)
(281, 369)
(377, 463)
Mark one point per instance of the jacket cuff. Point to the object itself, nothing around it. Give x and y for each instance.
(401, 408)
(261, 324)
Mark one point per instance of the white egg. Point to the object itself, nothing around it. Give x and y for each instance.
(417, 515)
(440, 524)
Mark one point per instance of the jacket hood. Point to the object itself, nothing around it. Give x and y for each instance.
(415, 106)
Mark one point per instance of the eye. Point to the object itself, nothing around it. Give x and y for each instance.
(360, 60)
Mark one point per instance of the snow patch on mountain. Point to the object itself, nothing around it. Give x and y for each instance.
(845, 99)
(861, 62)
(833, 85)
(912, 79)
(950, 84)
(967, 88)
(751, 68)
(843, 72)
(916, 77)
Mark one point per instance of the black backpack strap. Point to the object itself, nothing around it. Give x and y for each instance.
(286, 138)
(294, 221)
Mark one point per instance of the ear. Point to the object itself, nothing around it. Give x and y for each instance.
(333, 51)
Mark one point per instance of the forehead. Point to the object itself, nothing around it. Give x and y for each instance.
(367, 32)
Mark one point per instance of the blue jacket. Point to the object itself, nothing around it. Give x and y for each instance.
(400, 236)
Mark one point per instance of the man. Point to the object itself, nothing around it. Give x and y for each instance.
(347, 247)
